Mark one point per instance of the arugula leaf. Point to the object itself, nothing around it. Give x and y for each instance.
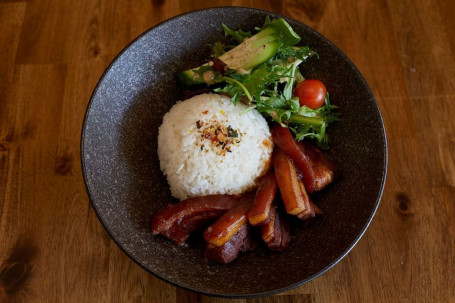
(287, 91)
(313, 130)
(294, 104)
(261, 79)
(254, 85)
(218, 49)
(325, 111)
(240, 85)
(298, 77)
(286, 53)
(318, 134)
(278, 108)
(276, 101)
(238, 36)
(233, 90)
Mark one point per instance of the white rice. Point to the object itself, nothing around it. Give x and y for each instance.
(195, 165)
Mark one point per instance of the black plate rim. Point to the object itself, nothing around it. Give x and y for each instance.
(231, 295)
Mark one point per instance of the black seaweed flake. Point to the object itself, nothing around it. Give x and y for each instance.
(232, 133)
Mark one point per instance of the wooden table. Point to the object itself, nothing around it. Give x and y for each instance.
(52, 247)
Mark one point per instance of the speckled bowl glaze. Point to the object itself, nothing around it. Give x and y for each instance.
(125, 184)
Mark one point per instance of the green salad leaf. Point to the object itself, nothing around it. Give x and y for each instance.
(218, 48)
(238, 36)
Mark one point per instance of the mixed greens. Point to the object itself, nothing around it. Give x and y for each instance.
(262, 70)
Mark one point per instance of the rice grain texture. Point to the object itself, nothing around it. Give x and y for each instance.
(207, 145)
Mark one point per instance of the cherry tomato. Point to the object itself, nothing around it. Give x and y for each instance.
(311, 93)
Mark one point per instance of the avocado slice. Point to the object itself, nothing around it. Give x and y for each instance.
(252, 51)
(203, 75)
(244, 57)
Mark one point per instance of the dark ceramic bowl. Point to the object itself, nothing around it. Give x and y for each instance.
(125, 184)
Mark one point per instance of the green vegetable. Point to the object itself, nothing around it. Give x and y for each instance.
(251, 52)
(315, 128)
(239, 35)
(287, 34)
(262, 71)
(218, 48)
(203, 75)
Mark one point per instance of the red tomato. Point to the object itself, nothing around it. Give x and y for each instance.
(311, 93)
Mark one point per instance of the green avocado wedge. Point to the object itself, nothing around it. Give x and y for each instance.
(251, 52)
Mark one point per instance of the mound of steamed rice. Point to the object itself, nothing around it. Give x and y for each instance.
(207, 145)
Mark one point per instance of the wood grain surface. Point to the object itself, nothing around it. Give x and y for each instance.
(52, 247)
